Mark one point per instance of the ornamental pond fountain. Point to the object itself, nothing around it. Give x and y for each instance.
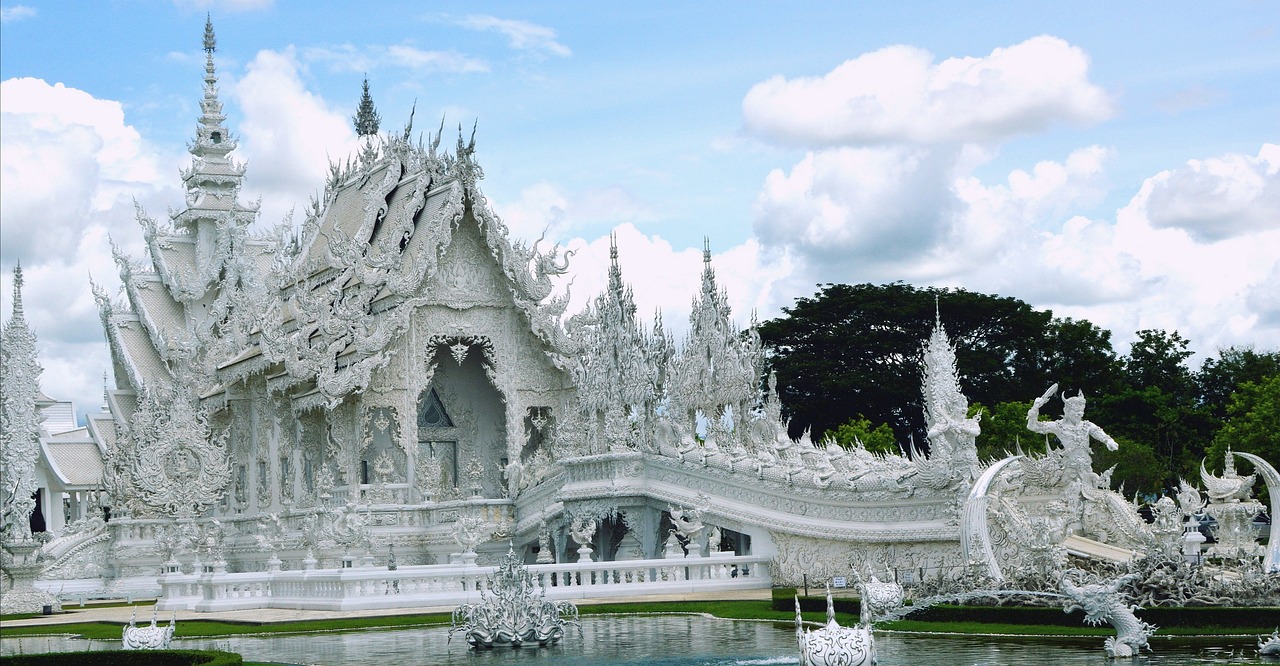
(372, 412)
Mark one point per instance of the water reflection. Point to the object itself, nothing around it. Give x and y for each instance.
(673, 641)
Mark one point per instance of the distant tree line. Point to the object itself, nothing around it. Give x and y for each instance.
(848, 362)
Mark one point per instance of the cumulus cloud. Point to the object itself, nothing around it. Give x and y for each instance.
(1220, 197)
(289, 134)
(871, 205)
(69, 162)
(545, 206)
(350, 58)
(521, 35)
(16, 13)
(1263, 297)
(666, 279)
(899, 94)
(72, 169)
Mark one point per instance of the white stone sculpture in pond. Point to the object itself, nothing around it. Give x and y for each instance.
(1103, 602)
(151, 637)
(1270, 647)
(514, 611)
(834, 645)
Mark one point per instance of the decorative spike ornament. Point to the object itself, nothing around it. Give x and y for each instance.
(366, 120)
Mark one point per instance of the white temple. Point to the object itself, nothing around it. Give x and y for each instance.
(399, 378)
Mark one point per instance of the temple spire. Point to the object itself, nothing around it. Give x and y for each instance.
(213, 179)
(17, 292)
(615, 273)
(19, 438)
(367, 119)
(210, 41)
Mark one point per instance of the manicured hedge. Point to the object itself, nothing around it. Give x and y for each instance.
(1186, 616)
(128, 658)
(784, 600)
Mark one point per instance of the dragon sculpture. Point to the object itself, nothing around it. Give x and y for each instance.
(1103, 602)
(1270, 647)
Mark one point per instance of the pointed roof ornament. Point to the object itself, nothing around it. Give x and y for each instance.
(367, 120)
(706, 250)
(408, 128)
(210, 41)
(615, 273)
(17, 291)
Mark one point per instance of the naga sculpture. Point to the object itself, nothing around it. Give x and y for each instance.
(514, 611)
(1102, 602)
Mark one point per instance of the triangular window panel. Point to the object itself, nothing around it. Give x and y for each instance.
(431, 412)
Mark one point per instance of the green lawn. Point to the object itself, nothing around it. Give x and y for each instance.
(747, 610)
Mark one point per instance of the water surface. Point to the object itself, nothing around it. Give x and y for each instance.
(675, 640)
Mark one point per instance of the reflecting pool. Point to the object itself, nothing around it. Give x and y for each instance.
(675, 640)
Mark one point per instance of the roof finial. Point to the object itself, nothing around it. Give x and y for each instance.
(706, 250)
(367, 119)
(17, 290)
(937, 313)
(408, 128)
(210, 41)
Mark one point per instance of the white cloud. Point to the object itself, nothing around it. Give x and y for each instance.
(898, 94)
(71, 170)
(667, 279)
(1218, 198)
(859, 205)
(521, 35)
(350, 58)
(16, 13)
(871, 214)
(289, 134)
(1263, 297)
(546, 206)
(69, 162)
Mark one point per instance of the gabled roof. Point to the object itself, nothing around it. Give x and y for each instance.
(144, 363)
(102, 428)
(77, 462)
(156, 307)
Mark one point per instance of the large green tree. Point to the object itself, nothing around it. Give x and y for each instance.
(1158, 404)
(853, 350)
(1253, 423)
(1220, 377)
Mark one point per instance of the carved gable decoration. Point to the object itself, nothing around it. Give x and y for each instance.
(468, 275)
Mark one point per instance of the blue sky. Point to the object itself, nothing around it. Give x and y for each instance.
(1115, 161)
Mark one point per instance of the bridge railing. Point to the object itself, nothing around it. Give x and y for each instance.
(452, 584)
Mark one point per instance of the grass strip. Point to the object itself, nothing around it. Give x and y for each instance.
(733, 610)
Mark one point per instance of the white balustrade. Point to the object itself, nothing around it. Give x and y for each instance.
(452, 584)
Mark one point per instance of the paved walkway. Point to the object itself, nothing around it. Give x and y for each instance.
(121, 614)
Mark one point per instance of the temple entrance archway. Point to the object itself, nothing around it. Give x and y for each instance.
(462, 423)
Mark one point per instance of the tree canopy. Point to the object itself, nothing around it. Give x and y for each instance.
(848, 359)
